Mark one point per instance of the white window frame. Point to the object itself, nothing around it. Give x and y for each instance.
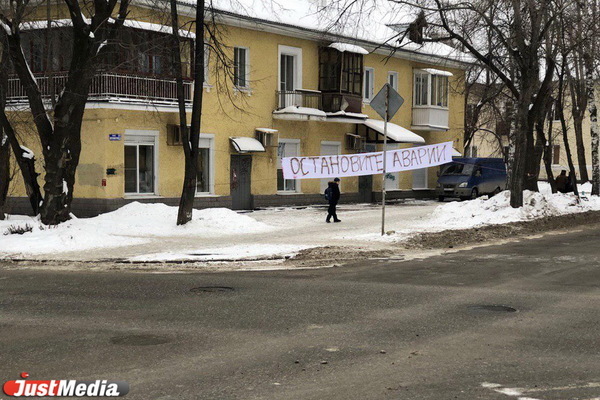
(211, 175)
(393, 74)
(295, 52)
(427, 83)
(140, 137)
(325, 181)
(368, 92)
(206, 65)
(247, 68)
(298, 181)
(431, 90)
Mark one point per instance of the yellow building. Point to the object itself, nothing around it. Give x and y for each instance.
(296, 90)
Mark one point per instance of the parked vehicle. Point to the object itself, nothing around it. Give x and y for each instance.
(469, 178)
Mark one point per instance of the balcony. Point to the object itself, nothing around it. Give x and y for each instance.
(429, 118)
(112, 87)
(299, 98)
(312, 105)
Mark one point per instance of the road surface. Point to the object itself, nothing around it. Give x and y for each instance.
(376, 329)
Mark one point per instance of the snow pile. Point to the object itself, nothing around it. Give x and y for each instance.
(497, 210)
(158, 220)
(133, 224)
(231, 253)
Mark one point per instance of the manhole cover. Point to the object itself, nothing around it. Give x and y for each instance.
(493, 308)
(139, 340)
(211, 289)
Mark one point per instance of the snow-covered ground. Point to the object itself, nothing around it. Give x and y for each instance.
(147, 232)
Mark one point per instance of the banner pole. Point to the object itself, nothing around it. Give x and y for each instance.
(385, 122)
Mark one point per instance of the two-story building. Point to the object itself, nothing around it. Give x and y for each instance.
(296, 90)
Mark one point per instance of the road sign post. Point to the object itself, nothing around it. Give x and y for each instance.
(386, 102)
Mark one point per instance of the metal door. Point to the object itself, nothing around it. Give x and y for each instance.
(240, 182)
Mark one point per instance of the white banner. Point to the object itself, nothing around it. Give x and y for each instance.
(366, 163)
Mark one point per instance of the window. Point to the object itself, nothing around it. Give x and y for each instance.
(369, 84)
(473, 151)
(205, 169)
(241, 67)
(287, 148)
(421, 89)
(430, 90)
(340, 72)
(393, 79)
(556, 154)
(206, 63)
(139, 164)
(287, 73)
(439, 91)
(290, 68)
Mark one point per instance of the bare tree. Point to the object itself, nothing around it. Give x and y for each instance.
(210, 36)
(24, 158)
(59, 130)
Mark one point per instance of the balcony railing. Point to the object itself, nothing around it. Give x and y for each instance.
(108, 86)
(430, 118)
(299, 98)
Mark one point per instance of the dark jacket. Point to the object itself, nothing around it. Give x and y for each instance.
(561, 183)
(335, 193)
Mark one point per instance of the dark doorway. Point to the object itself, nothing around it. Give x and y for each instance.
(240, 182)
(365, 188)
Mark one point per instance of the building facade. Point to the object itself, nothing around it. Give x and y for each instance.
(295, 90)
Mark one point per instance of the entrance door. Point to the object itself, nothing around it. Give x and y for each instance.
(240, 183)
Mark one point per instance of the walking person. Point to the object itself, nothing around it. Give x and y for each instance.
(332, 193)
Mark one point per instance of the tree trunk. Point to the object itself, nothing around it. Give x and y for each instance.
(62, 155)
(4, 171)
(565, 134)
(595, 130)
(547, 157)
(26, 165)
(190, 143)
(516, 183)
(580, 146)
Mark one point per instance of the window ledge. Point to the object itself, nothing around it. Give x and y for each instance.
(287, 193)
(432, 107)
(245, 90)
(205, 195)
(129, 196)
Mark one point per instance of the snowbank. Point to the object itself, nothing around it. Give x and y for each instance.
(235, 252)
(497, 210)
(133, 224)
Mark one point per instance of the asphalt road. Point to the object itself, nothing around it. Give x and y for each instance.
(378, 329)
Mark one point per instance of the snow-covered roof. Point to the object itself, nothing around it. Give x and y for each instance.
(314, 112)
(266, 130)
(146, 26)
(438, 72)
(246, 144)
(372, 26)
(350, 48)
(394, 132)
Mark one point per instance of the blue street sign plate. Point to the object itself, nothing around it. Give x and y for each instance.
(114, 136)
